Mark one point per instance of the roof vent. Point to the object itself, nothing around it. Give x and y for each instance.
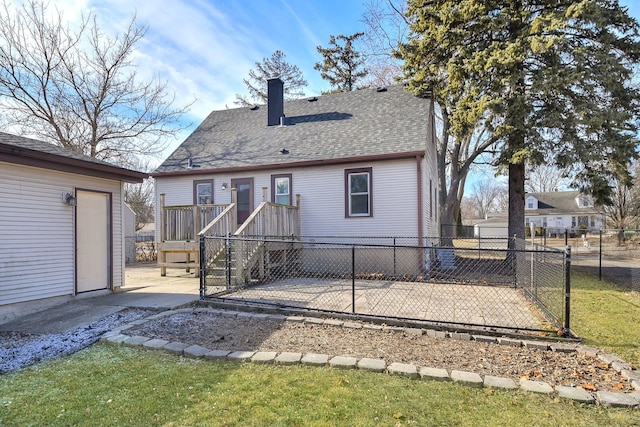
(381, 89)
(254, 108)
(284, 151)
(314, 99)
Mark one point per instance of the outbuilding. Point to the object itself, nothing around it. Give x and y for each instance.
(61, 225)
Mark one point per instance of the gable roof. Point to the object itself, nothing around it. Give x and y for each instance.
(32, 152)
(329, 129)
(557, 202)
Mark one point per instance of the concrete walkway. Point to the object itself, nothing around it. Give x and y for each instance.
(144, 288)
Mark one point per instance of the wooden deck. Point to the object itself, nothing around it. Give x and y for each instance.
(182, 226)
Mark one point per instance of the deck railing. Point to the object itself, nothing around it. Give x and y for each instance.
(183, 223)
(269, 220)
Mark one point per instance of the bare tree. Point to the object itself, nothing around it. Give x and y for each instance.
(78, 88)
(274, 66)
(484, 199)
(139, 197)
(386, 28)
(623, 211)
(544, 178)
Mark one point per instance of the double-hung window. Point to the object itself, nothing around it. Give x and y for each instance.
(203, 192)
(358, 194)
(281, 189)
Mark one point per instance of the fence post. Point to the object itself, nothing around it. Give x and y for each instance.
(353, 279)
(567, 293)
(394, 256)
(203, 275)
(600, 257)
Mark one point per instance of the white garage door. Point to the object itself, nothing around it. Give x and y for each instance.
(93, 242)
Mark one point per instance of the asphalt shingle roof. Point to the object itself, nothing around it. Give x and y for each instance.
(558, 202)
(52, 155)
(366, 122)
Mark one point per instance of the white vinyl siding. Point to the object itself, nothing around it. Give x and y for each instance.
(37, 258)
(322, 203)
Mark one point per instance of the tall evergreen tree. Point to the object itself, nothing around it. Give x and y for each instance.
(342, 64)
(549, 78)
(274, 66)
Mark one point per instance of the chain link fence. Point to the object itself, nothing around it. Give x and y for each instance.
(492, 283)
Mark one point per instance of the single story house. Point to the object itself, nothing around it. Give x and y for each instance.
(359, 163)
(61, 222)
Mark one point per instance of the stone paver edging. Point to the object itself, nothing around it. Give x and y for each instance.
(610, 399)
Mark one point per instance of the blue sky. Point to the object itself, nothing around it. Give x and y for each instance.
(204, 48)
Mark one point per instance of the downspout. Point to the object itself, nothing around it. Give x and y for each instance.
(420, 210)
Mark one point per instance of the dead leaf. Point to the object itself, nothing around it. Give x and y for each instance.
(589, 387)
(618, 386)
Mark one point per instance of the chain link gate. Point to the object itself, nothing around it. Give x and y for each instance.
(463, 282)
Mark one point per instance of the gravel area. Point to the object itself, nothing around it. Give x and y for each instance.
(18, 350)
(246, 333)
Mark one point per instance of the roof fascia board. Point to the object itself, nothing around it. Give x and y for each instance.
(17, 155)
(306, 163)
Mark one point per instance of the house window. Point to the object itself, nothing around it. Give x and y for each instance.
(281, 189)
(203, 192)
(527, 222)
(358, 192)
(573, 222)
(529, 203)
(585, 201)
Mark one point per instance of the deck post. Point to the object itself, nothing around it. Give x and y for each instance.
(162, 219)
(264, 194)
(234, 215)
(160, 238)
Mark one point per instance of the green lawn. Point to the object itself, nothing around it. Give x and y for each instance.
(606, 316)
(108, 385)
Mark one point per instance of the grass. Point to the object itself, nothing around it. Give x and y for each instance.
(107, 385)
(606, 316)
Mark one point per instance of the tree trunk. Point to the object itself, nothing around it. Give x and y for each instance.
(516, 200)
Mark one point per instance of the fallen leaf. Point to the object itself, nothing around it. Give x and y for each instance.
(618, 386)
(589, 387)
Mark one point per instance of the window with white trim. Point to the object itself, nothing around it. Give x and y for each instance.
(281, 189)
(358, 195)
(203, 192)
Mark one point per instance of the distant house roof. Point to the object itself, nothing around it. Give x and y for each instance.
(557, 203)
(328, 129)
(31, 152)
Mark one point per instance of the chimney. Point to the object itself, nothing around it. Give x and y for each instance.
(275, 101)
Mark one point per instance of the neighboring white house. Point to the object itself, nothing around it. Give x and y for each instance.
(555, 211)
(363, 162)
(558, 211)
(61, 224)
